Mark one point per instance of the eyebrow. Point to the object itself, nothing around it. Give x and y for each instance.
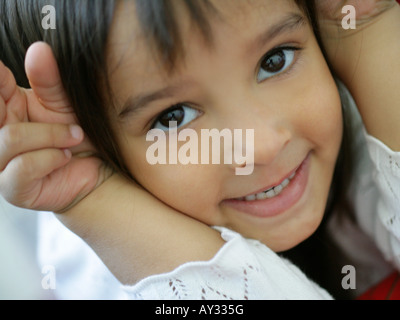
(289, 23)
(136, 103)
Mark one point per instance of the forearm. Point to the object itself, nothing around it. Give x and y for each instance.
(368, 62)
(135, 234)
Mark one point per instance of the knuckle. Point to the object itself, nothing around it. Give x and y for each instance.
(11, 136)
(23, 166)
(56, 134)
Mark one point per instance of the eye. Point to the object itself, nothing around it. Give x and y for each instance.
(181, 114)
(276, 62)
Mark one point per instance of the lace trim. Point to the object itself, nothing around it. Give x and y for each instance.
(243, 269)
(387, 176)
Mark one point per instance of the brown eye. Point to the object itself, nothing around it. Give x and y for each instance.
(180, 114)
(177, 115)
(274, 63)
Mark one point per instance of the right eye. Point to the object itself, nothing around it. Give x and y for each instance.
(181, 114)
(276, 62)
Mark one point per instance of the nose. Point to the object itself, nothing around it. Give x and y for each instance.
(265, 134)
(270, 138)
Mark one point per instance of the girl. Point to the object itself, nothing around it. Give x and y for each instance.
(255, 66)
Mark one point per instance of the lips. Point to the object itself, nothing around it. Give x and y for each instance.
(270, 192)
(276, 199)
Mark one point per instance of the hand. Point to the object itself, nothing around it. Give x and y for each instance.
(366, 10)
(45, 161)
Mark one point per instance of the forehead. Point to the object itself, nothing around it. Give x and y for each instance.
(240, 15)
(233, 24)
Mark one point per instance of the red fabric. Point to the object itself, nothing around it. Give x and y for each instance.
(388, 289)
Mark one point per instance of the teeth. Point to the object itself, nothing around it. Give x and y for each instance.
(285, 182)
(250, 198)
(273, 192)
(270, 194)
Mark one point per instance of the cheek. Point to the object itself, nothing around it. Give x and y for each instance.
(318, 107)
(186, 188)
(325, 124)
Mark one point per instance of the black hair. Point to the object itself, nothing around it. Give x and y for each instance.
(79, 44)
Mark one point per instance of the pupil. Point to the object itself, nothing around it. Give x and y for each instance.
(177, 115)
(274, 63)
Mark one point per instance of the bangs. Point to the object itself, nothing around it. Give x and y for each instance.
(159, 23)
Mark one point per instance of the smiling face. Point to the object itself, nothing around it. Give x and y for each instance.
(263, 71)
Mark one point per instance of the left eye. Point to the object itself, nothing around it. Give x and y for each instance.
(180, 114)
(276, 62)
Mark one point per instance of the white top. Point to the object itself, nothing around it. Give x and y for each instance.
(243, 268)
(384, 224)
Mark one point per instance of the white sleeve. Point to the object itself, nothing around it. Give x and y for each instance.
(386, 227)
(242, 269)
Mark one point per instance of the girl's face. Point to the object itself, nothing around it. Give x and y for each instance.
(263, 71)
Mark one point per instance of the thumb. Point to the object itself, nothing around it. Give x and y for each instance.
(44, 78)
(49, 103)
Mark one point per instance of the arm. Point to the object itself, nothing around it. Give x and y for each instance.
(135, 234)
(367, 61)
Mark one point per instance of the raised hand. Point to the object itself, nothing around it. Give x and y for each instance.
(45, 161)
(365, 9)
(366, 12)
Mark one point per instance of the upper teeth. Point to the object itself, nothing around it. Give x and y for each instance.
(270, 193)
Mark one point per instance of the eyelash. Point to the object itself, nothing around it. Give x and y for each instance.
(268, 55)
(273, 52)
(176, 107)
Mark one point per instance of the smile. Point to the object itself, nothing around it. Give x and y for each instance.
(277, 199)
(270, 193)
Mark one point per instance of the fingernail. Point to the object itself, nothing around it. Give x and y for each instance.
(76, 132)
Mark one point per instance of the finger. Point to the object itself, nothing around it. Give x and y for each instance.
(21, 179)
(44, 77)
(8, 84)
(9, 91)
(21, 138)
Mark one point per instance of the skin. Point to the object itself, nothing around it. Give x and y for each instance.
(128, 239)
(299, 110)
(365, 60)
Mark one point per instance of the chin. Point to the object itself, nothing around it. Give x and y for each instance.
(295, 234)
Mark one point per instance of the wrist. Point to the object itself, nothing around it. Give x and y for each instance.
(345, 47)
(129, 229)
(104, 172)
(367, 64)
